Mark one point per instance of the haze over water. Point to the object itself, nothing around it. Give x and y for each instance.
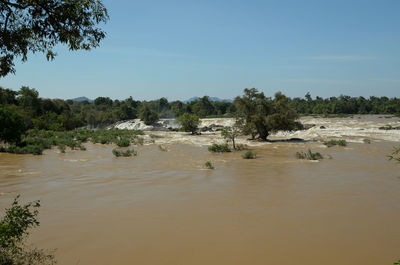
(165, 208)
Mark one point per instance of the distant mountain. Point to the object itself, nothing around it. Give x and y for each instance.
(211, 99)
(80, 99)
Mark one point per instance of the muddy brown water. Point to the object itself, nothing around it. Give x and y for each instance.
(165, 208)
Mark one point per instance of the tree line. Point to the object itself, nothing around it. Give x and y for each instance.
(26, 108)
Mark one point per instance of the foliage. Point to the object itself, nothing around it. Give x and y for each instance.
(124, 153)
(260, 115)
(219, 148)
(147, 115)
(309, 155)
(208, 165)
(162, 148)
(189, 122)
(14, 229)
(123, 142)
(397, 263)
(12, 124)
(249, 155)
(395, 154)
(333, 142)
(36, 141)
(230, 134)
(38, 26)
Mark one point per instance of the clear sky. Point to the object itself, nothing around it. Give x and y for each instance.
(180, 49)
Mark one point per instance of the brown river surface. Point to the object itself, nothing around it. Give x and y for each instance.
(165, 208)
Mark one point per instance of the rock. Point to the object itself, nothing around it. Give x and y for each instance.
(322, 127)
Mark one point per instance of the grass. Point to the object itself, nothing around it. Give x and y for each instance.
(333, 142)
(208, 165)
(219, 148)
(309, 155)
(249, 155)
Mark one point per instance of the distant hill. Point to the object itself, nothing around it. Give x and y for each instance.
(80, 99)
(211, 99)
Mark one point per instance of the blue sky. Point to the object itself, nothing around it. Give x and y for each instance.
(180, 49)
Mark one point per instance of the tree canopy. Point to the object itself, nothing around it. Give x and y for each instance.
(260, 115)
(39, 25)
(189, 122)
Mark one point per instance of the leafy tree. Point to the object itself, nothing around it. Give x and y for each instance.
(148, 115)
(14, 227)
(189, 122)
(12, 124)
(231, 133)
(39, 25)
(261, 115)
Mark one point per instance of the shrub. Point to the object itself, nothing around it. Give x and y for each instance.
(126, 153)
(333, 142)
(309, 155)
(123, 142)
(208, 165)
(219, 148)
(189, 122)
(14, 228)
(395, 154)
(249, 155)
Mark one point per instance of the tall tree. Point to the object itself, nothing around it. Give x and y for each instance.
(39, 25)
(261, 115)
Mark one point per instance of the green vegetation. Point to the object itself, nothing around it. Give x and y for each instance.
(309, 155)
(249, 155)
(260, 115)
(189, 122)
(208, 165)
(230, 134)
(397, 263)
(36, 141)
(124, 153)
(395, 154)
(148, 115)
(14, 230)
(219, 148)
(333, 142)
(39, 26)
(12, 124)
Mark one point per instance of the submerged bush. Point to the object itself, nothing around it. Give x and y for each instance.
(14, 227)
(219, 148)
(395, 154)
(333, 142)
(124, 153)
(249, 155)
(208, 165)
(367, 141)
(162, 148)
(309, 155)
(123, 142)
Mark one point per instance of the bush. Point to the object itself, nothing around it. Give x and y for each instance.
(219, 148)
(162, 148)
(309, 155)
(123, 142)
(249, 155)
(14, 228)
(395, 154)
(333, 142)
(189, 122)
(126, 153)
(208, 165)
